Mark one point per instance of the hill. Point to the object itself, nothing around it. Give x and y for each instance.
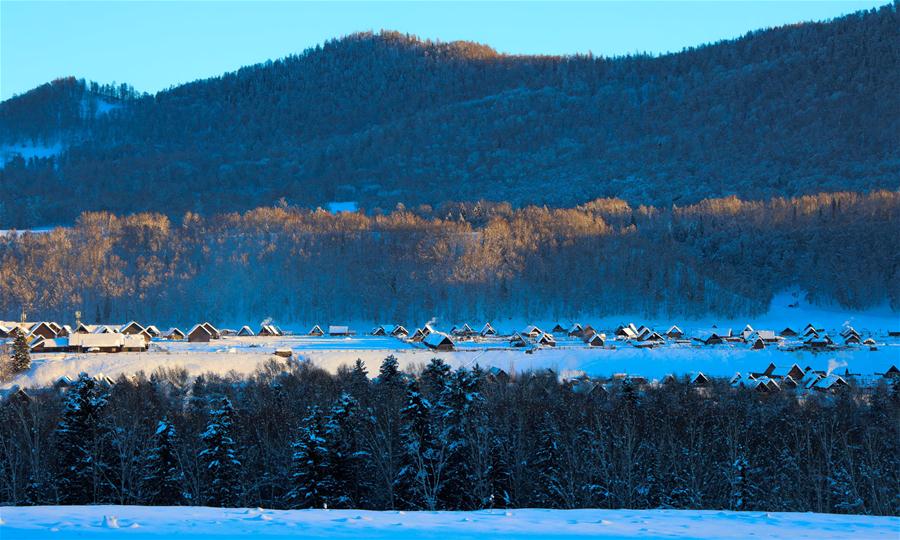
(387, 118)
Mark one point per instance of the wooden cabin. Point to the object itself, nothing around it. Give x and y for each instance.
(596, 340)
(173, 334)
(245, 331)
(316, 331)
(488, 330)
(674, 333)
(438, 341)
(199, 334)
(213, 331)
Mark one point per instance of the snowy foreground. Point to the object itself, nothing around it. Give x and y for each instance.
(199, 522)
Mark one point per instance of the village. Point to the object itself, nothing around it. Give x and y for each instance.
(51, 338)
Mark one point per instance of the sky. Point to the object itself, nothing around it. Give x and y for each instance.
(154, 45)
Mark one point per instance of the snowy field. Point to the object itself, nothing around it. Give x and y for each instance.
(63, 522)
(244, 355)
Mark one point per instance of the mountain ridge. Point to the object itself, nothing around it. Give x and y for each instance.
(382, 118)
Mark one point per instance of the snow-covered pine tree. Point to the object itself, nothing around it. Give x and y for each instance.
(435, 377)
(348, 482)
(737, 480)
(460, 409)
(220, 463)
(417, 485)
(81, 465)
(548, 491)
(163, 481)
(310, 483)
(21, 354)
(844, 498)
(359, 382)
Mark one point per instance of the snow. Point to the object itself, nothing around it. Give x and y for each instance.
(244, 354)
(187, 523)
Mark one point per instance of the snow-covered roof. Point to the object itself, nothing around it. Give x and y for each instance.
(338, 330)
(133, 341)
(437, 339)
(106, 340)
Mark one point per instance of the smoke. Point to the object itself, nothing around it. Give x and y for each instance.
(834, 364)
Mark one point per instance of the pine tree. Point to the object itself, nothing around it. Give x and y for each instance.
(310, 483)
(435, 377)
(546, 462)
(738, 482)
(163, 482)
(220, 462)
(359, 381)
(21, 354)
(81, 468)
(415, 484)
(347, 480)
(844, 497)
(460, 403)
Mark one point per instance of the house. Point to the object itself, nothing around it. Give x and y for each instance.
(869, 341)
(891, 372)
(134, 342)
(829, 383)
(852, 339)
(546, 340)
(153, 331)
(464, 331)
(58, 329)
(269, 330)
(587, 331)
(108, 342)
(559, 329)
(516, 340)
(427, 329)
(173, 334)
(50, 345)
(316, 331)
(418, 335)
(814, 341)
(809, 331)
(43, 329)
(199, 334)
(532, 331)
(650, 335)
(596, 340)
(245, 331)
(85, 328)
(747, 332)
(674, 332)
(438, 341)
(768, 336)
(576, 330)
(779, 372)
(393, 330)
(488, 330)
(132, 328)
(213, 331)
(759, 344)
(788, 332)
(626, 331)
(715, 338)
(699, 379)
(336, 330)
(5, 331)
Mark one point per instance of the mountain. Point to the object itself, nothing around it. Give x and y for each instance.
(387, 118)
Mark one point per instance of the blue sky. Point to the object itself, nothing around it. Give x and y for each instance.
(153, 45)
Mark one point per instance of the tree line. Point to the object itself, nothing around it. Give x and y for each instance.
(296, 436)
(459, 261)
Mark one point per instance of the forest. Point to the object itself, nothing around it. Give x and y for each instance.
(296, 436)
(458, 261)
(386, 118)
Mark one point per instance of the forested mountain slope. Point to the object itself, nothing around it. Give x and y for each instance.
(386, 118)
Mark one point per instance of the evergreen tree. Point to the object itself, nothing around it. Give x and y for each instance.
(347, 480)
(81, 467)
(21, 354)
(435, 377)
(417, 482)
(310, 482)
(460, 408)
(220, 462)
(359, 381)
(546, 465)
(844, 497)
(163, 481)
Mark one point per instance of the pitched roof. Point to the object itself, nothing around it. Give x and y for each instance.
(437, 339)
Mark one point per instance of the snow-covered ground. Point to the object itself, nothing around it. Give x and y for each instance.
(243, 355)
(199, 522)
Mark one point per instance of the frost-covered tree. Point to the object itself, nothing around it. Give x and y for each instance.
(418, 481)
(21, 354)
(82, 470)
(163, 481)
(219, 457)
(347, 482)
(310, 479)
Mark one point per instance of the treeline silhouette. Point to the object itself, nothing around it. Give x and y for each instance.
(386, 118)
(299, 437)
(461, 261)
